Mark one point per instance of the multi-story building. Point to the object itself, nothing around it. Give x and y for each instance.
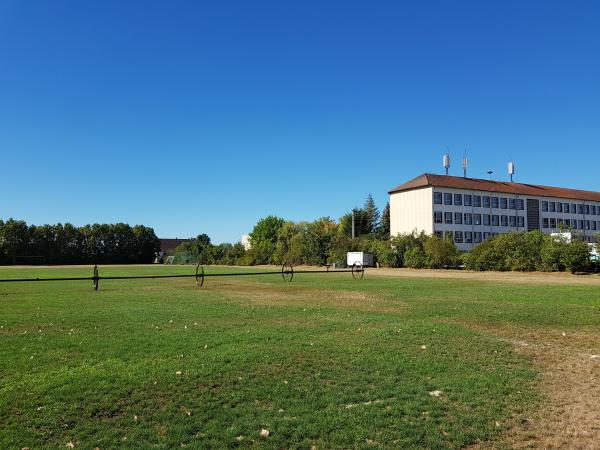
(471, 210)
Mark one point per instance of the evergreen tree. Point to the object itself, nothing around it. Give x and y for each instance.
(384, 224)
(371, 214)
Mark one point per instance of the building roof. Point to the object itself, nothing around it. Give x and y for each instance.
(171, 244)
(505, 187)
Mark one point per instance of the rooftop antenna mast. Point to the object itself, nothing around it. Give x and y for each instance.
(465, 164)
(490, 172)
(446, 162)
(511, 170)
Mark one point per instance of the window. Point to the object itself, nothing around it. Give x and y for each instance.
(503, 203)
(477, 237)
(458, 237)
(552, 222)
(593, 210)
(486, 201)
(544, 205)
(545, 222)
(439, 234)
(477, 219)
(593, 225)
(486, 235)
(558, 207)
(496, 220)
(552, 207)
(566, 207)
(521, 221)
(447, 217)
(579, 209)
(458, 199)
(447, 198)
(504, 221)
(574, 224)
(520, 204)
(477, 201)
(511, 203)
(437, 217)
(512, 220)
(587, 224)
(448, 235)
(586, 209)
(573, 208)
(458, 218)
(437, 198)
(559, 223)
(486, 219)
(495, 202)
(468, 219)
(568, 223)
(581, 224)
(468, 237)
(467, 198)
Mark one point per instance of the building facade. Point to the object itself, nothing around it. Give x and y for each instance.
(471, 210)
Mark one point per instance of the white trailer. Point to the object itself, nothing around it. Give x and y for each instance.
(359, 258)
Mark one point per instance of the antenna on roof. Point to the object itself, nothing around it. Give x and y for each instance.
(490, 172)
(511, 170)
(446, 162)
(465, 164)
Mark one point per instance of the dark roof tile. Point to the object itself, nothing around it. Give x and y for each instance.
(505, 187)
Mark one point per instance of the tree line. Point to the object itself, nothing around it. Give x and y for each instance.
(326, 241)
(116, 243)
(277, 241)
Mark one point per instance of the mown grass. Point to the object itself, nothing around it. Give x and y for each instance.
(325, 361)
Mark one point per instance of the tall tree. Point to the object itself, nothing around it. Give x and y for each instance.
(384, 224)
(371, 215)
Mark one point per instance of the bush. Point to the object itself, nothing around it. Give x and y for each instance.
(415, 258)
(440, 253)
(528, 251)
(576, 257)
(486, 256)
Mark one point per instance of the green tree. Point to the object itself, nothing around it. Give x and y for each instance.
(384, 225)
(14, 239)
(264, 239)
(372, 216)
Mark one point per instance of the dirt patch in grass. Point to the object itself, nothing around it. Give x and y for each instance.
(507, 277)
(570, 415)
(276, 295)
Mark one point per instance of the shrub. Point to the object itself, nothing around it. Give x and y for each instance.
(440, 253)
(576, 257)
(415, 258)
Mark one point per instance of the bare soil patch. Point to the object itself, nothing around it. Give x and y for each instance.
(570, 415)
(503, 277)
(287, 294)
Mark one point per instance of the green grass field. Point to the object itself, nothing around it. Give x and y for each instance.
(325, 361)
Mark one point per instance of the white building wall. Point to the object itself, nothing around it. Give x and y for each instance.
(590, 222)
(414, 210)
(411, 210)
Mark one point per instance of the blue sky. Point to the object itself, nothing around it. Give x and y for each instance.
(196, 117)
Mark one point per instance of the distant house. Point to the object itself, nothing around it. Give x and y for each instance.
(168, 245)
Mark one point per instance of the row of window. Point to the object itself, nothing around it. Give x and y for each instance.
(484, 201)
(477, 201)
(554, 222)
(493, 220)
(571, 208)
(475, 237)
(468, 237)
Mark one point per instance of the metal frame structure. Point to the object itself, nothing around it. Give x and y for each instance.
(287, 273)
